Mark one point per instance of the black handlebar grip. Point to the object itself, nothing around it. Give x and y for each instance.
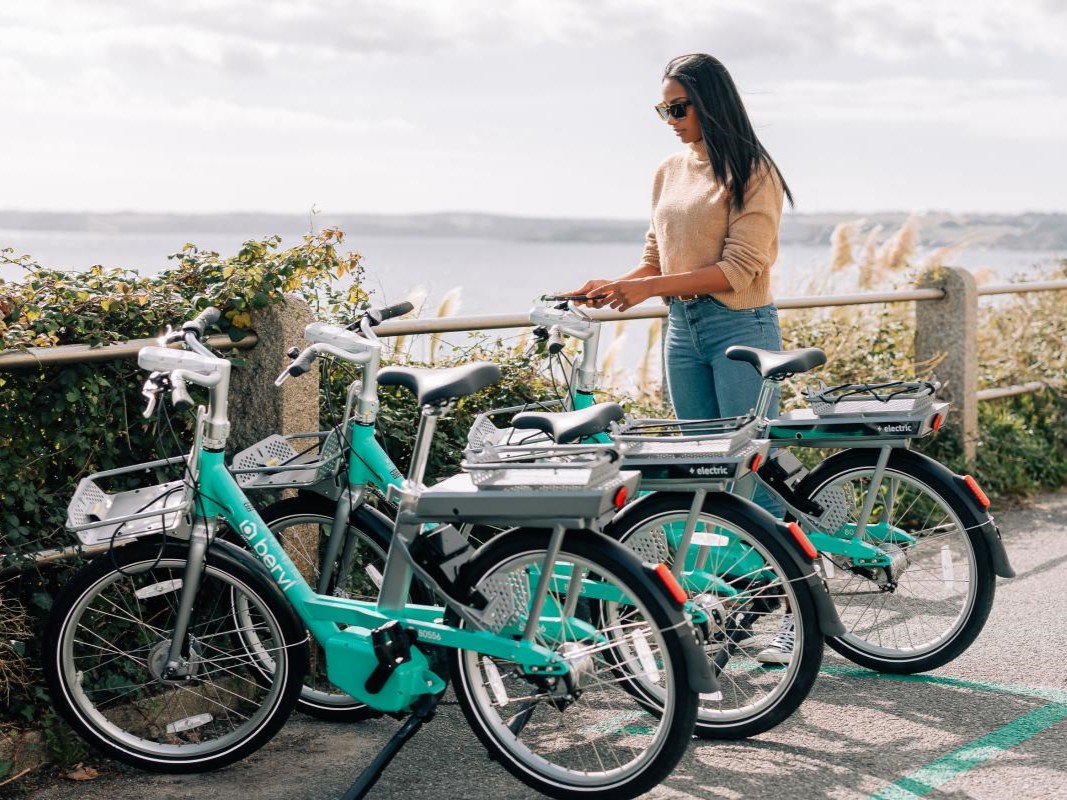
(303, 363)
(380, 315)
(555, 341)
(179, 396)
(204, 320)
(396, 310)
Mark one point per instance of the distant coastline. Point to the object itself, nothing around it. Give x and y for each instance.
(1031, 231)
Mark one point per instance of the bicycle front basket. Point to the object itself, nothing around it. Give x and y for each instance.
(98, 516)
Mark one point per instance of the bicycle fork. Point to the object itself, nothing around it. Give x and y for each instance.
(180, 663)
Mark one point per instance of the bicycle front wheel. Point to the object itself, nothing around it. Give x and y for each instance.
(594, 732)
(761, 633)
(933, 600)
(107, 641)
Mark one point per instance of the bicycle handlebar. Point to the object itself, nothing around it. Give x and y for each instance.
(301, 364)
(566, 320)
(333, 340)
(376, 316)
(204, 320)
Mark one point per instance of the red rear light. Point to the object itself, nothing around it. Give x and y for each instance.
(756, 461)
(803, 541)
(620, 497)
(938, 419)
(663, 572)
(976, 490)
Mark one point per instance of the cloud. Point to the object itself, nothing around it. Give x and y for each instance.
(1011, 109)
(890, 30)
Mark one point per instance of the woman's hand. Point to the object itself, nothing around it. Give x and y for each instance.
(622, 295)
(591, 288)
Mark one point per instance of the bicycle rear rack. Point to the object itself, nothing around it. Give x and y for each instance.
(575, 485)
(895, 397)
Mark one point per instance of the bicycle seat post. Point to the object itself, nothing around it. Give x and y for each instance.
(764, 401)
(420, 454)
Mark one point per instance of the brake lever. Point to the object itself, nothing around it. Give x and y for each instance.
(151, 391)
(170, 336)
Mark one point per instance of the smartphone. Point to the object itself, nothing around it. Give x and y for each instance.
(581, 298)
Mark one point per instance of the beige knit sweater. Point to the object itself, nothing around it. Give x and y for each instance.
(694, 225)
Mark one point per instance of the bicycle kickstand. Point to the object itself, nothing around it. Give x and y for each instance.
(423, 712)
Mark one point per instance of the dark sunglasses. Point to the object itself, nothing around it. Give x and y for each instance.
(676, 110)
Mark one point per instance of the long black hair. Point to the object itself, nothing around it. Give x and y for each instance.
(734, 150)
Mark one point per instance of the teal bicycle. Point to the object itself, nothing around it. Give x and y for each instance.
(907, 549)
(343, 540)
(181, 652)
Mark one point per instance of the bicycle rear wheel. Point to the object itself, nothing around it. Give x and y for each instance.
(757, 595)
(929, 606)
(106, 643)
(587, 734)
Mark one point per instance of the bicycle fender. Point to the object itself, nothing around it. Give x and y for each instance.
(830, 624)
(697, 664)
(990, 532)
(223, 549)
(826, 611)
(998, 553)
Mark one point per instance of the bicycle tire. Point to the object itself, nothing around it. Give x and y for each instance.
(105, 642)
(599, 709)
(753, 697)
(905, 634)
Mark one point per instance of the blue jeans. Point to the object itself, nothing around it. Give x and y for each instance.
(703, 382)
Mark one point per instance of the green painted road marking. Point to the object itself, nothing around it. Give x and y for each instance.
(1055, 695)
(944, 769)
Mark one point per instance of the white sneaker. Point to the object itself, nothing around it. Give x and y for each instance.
(780, 650)
(739, 627)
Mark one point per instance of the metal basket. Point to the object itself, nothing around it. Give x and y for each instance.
(695, 440)
(485, 432)
(895, 397)
(275, 463)
(98, 516)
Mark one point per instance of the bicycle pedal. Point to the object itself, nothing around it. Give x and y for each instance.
(392, 647)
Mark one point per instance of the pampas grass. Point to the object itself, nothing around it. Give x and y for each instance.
(895, 253)
(650, 361)
(417, 298)
(610, 371)
(841, 254)
(448, 307)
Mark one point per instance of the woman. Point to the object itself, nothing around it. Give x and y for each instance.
(716, 206)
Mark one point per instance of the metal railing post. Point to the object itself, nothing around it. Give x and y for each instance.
(946, 332)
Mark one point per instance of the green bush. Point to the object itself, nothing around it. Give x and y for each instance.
(60, 423)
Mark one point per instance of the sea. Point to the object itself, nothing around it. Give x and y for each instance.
(490, 276)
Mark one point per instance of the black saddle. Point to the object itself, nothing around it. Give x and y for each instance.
(570, 426)
(432, 386)
(778, 363)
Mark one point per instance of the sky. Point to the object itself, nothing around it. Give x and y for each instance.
(525, 107)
